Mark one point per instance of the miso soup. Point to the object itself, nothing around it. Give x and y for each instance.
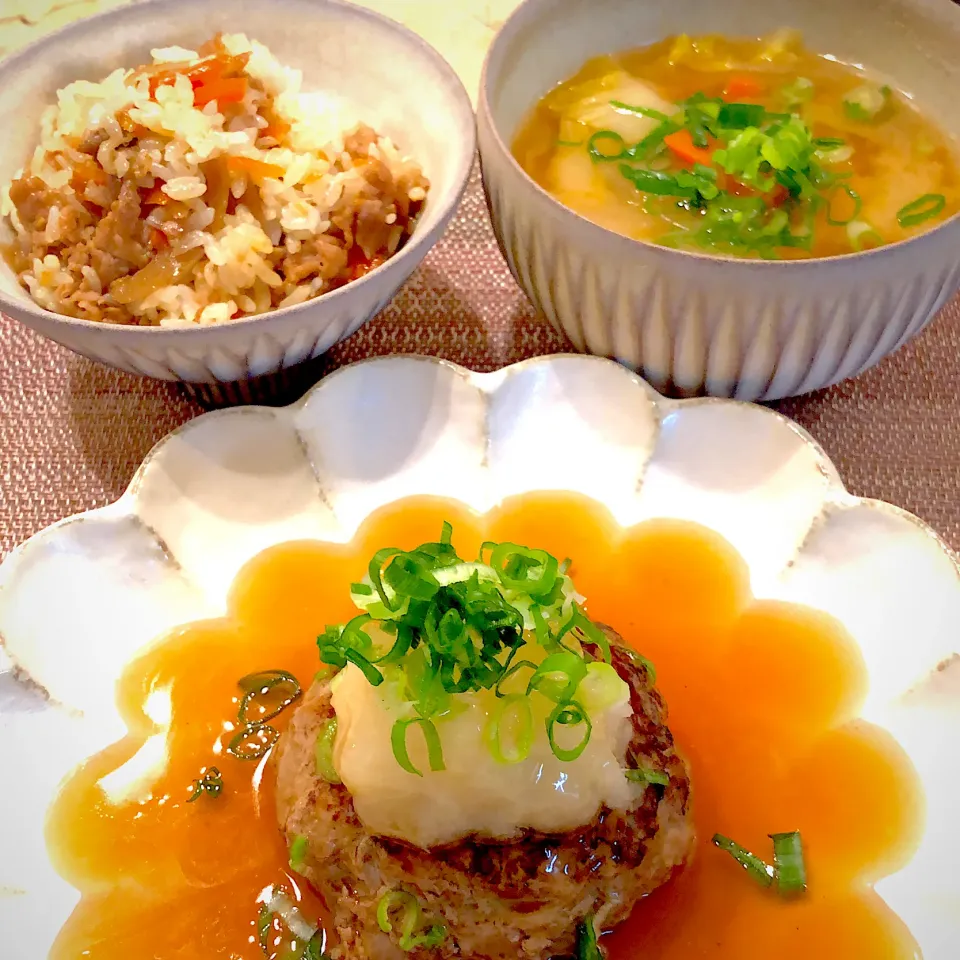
(747, 148)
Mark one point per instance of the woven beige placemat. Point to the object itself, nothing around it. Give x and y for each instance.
(72, 432)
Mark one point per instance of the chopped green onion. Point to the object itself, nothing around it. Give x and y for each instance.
(652, 143)
(338, 647)
(410, 921)
(587, 946)
(838, 154)
(433, 937)
(761, 872)
(398, 741)
(521, 715)
(923, 208)
(518, 569)
(699, 116)
(361, 589)
(639, 659)
(314, 949)
(461, 627)
(261, 685)
(375, 572)
(264, 923)
(253, 743)
(800, 91)
(558, 676)
(408, 906)
(647, 775)
(540, 628)
(639, 111)
(256, 737)
(580, 622)
(601, 688)
(298, 852)
(609, 136)
(656, 182)
(373, 675)
(410, 574)
(488, 546)
(737, 116)
(211, 784)
(866, 102)
(860, 233)
(569, 713)
(857, 205)
(323, 752)
(265, 680)
(788, 862)
(510, 668)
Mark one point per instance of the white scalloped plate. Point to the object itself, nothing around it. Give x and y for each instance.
(78, 599)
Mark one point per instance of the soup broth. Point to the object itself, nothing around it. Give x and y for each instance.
(749, 148)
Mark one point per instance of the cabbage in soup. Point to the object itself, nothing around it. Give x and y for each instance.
(749, 148)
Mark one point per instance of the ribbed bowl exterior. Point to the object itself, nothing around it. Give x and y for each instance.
(690, 324)
(227, 352)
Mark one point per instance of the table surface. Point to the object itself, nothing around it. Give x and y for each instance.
(72, 432)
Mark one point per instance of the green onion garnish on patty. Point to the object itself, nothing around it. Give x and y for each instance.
(315, 945)
(438, 626)
(587, 947)
(298, 853)
(398, 907)
(398, 741)
(568, 713)
(511, 711)
(323, 752)
(646, 775)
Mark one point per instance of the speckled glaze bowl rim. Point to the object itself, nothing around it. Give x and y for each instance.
(664, 405)
(47, 45)
(599, 235)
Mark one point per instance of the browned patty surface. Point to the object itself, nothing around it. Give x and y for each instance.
(497, 899)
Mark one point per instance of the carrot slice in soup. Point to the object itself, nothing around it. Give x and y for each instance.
(742, 86)
(681, 143)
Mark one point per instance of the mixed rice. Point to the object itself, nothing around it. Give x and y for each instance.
(201, 188)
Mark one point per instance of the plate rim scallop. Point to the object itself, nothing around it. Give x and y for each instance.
(649, 422)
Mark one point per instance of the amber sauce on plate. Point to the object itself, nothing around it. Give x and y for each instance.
(761, 700)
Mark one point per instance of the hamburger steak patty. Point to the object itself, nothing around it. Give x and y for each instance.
(497, 899)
